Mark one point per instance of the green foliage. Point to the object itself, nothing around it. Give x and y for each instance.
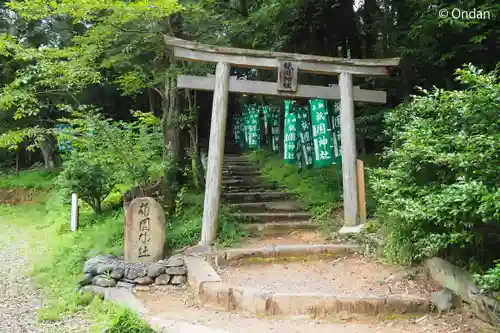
(489, 281)
(126, 321)
(92, 179)
(439, 193)
(319, 189)
(37, 179)
(108, 153)
(184, 227)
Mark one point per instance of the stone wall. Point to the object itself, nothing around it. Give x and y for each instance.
(109, 271)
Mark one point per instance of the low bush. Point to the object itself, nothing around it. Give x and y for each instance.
(439, 194)
(28, 179)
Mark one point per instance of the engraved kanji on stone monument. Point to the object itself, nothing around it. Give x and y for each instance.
(144, 231)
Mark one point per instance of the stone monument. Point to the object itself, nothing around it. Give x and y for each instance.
(144, 230)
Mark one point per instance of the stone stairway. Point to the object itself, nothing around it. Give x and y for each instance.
(265, 208)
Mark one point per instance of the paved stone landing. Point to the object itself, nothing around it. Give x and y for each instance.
(213, 292)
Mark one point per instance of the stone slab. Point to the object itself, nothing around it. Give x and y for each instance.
(144, 231)
(199, 272)
(250, 301)
(346, 230)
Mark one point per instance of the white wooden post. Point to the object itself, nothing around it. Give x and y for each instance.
(215, 155)
(348, 137)
(74, 212)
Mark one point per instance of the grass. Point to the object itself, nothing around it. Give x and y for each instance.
(319, 189)
(60, 254)
(28, 179)
(184, 227)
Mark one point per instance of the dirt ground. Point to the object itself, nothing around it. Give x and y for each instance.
(346, 276)
(177, 303)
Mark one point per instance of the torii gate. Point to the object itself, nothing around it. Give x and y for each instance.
(288, 65)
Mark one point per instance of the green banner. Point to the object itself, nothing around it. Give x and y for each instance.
(265, 112)
(335, 121)
(321, 135)
(274, 121)
(238, 130)
(290, 134)
(252, 126)
(304, 138)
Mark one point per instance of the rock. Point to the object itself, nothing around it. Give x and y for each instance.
(94, 290)
(144, 289)
(145, 230)
(178, 279)
(443, 300)
(128, 281)
(104, 268)
(162, 280)
(103, 281)
(117, 273)
(175, 261)
(90, 265)
(86, 280)
(179, 270)
(135, 272)
(145, 280)
(126, 285)
(453, 278)
(155, 270)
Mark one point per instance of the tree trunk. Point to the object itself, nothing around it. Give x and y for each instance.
(170, 110)
(18, 153)
(48, 148)
(196, 167)
(170, 115)
(151, 101)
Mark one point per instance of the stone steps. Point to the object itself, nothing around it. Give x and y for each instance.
(273, 216)
(240, 180)
(242, 168)
(238, 197)
(277, 228)
(266, 209)
(248, 188)
(230, 173)
(270, 206)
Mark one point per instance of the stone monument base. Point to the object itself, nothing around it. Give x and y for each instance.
(109, 271)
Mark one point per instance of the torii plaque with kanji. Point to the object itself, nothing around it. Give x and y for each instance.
(287, 75)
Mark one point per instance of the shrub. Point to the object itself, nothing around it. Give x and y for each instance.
(439, 194)
(489, 281)
(108, 152)
(89, 176)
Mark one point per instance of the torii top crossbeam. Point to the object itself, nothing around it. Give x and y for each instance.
(288, 66)
(194, 51)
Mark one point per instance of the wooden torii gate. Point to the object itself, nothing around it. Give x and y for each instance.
(288, 65)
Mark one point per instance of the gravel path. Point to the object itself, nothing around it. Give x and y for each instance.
(349, 276)
(19, 300)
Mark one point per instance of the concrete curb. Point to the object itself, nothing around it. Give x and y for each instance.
(279, 252)
(213, 293)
